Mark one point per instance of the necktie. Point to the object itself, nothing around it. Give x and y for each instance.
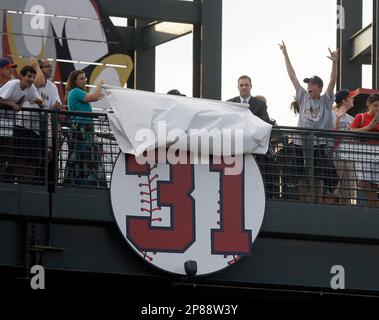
(244, 101)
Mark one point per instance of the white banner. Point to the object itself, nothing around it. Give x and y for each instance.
(177, 119)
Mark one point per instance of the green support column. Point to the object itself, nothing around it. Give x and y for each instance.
(144, 60)
(196, 64)
(349, 72)
(211, 51)
(374, 48)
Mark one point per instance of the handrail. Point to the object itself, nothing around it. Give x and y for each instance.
(83, 156)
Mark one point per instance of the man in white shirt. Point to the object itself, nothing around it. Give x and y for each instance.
(6, 71)
(48, 92)
(16, 92)
(51, 101)
(12, 96)
(46, 88)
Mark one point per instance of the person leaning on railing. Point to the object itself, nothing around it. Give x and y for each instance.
(33, 126)
(6, 141)
(84, 165)
(47, 90)
(345, 168)
(368, 174)
(27, 145)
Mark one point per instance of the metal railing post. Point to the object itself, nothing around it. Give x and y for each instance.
(312, 188)
(45, 117)
(55, 144)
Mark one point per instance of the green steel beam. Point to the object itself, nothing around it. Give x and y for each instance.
(161, 10)
(127, 35)
(155, 35)
(374, 48)
(211, 49)
(362, 45)
(350, 73)
(144, 63)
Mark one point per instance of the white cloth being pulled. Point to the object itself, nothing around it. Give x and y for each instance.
(144, 121)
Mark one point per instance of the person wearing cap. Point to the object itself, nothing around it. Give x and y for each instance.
(315, 109)
(346, 190)
(315, 112)
(344, 102)
(6, 71)
(256, 106)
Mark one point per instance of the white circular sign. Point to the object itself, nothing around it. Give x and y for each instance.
(171, 214)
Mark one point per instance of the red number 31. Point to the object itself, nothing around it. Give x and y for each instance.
(230, 239)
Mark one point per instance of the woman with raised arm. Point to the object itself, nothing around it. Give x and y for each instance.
(84, 165)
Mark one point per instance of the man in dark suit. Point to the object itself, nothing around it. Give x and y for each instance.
(257, 106)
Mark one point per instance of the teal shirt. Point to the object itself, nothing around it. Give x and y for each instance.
(76, 103)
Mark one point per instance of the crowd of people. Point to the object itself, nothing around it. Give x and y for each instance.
(316, 112)
(21, 140)
(333, 175)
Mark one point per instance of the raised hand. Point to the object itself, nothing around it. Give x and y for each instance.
(342, 111)
(333, 55)
(373, 124)
(283, 47)
(57, 106)
(34, 62)
(15, 107)
(101, 82)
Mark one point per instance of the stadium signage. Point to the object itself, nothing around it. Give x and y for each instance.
(175, 214)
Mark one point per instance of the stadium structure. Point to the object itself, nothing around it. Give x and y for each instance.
(69, 229)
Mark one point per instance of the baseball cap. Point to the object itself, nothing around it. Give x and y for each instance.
(315, 80)
(4, 62)
(344, 93)
(176, 92)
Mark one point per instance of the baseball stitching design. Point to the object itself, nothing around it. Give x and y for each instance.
(233, 261)
(149, 197)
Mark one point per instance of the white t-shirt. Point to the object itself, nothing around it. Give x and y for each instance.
(345, 121)
(12, 91)
(49, 94)
(314, 114)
